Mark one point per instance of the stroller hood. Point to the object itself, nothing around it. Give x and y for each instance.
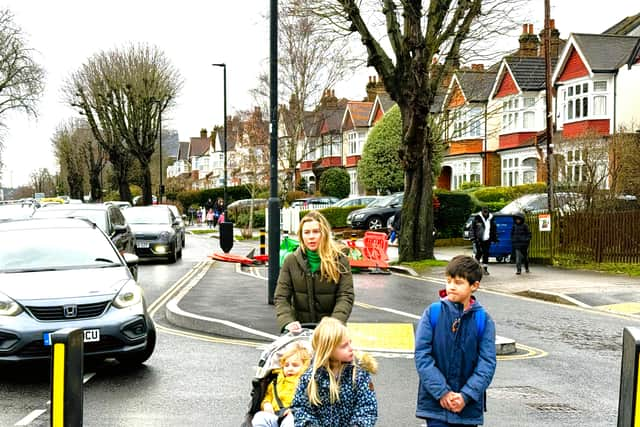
(366, 361)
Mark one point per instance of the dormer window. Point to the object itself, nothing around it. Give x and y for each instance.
(518, 114)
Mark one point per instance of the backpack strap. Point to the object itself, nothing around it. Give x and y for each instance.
(480, 316)
(275, 394)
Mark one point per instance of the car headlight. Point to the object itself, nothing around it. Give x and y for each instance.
(9, 307)
(164, 235)
(358, 216)
(130, 294)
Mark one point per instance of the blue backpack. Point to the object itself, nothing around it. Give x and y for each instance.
(434, 314)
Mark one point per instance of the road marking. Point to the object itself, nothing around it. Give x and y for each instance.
(530, 353)
(31, 417)
(382, 337)
(208, 338)
(160, 301)
(624, 307)
(389, 310)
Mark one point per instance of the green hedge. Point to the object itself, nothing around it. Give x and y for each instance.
(507, 194)
(242, 220)
(337, 217)
(450, 216)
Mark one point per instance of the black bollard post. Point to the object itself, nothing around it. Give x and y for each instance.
(628, 405)
(226, 236)
(263, 238)
(66, 377)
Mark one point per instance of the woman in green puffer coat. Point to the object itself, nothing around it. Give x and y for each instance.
(315, 281)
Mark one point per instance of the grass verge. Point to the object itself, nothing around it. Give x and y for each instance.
(204, 231)
(617, 268)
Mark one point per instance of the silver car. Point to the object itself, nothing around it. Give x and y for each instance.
(66, 273)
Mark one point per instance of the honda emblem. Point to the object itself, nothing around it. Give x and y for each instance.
(70, 311)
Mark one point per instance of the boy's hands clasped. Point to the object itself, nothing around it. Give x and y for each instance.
(452, 401)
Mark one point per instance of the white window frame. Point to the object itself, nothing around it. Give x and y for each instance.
(515, 171)
(467, 122)
(465, 170)
(514, 110)
(575, 99)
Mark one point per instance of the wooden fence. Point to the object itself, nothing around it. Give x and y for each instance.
(612, 237)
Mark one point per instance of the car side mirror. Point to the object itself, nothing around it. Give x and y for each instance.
(131, 259)
(119, 229)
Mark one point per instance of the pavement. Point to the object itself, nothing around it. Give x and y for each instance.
(227, 300)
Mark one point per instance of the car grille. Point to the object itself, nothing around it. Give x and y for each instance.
(38, 349)
(147, 236)
(85, 311)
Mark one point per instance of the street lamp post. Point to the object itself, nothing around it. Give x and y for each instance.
(226, 228)
(161, 188)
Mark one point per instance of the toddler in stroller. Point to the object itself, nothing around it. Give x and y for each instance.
(274, 385)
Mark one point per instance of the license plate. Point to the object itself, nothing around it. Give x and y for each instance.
(90, 335)
(142, 244)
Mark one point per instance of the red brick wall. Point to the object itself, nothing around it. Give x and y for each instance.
(575, 129)
(507, 86)
(493, 170)
(514, 140)
(378, 116)
(328, 162)
(465, 147)
(306, 165)
(352, 161)
(574, 67)
(444, 180)
(457, 98)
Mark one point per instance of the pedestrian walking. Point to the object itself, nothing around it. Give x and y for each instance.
(315, 280)
(520, 239)
(210, 217)
(483, 232)
(337, 389)
(455, 351)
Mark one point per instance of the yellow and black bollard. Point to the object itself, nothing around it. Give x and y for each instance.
(628, 405)
(66, 377)
(263, 238)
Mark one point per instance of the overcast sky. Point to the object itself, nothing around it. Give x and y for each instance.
(193, 34)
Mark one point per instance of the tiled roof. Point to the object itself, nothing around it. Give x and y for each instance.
(199, 146)
(529, 71)
(625, 27)
(183, 151)
(360, 112)
(605, 52)
(476, 85)
(386, 102)
(333, 119)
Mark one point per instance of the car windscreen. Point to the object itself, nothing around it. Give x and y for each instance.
(147, 216)
(98, 217)
(59, 248)
(382, 202)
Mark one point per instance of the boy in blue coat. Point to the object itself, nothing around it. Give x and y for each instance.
(455, 351)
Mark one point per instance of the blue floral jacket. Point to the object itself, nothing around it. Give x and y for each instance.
(357, 405)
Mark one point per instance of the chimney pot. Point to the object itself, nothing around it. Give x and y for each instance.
(552, 23)
(525, 28)
(530, 28)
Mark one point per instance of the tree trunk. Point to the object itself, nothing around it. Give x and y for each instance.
(416, 233)
(121, 172)
(96, 186)
(147, 191)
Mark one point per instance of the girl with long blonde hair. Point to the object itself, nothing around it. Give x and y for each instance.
(315, 281)
(337, 389)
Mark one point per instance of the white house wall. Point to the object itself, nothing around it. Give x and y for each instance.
(628, 98)
(494, 121)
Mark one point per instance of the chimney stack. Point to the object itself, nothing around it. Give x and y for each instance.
(555, 40)
(203, 133)
(528, 41)
(477, 67)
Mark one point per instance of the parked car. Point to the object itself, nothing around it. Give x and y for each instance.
(355, 201)
(65, 273)
(181, 226)
(157, 231)
(122, 204)
(537, 203)
(10, 211)
(246, 203)
(314, 202)
(108, 217)
(137, 200)
(376, 214)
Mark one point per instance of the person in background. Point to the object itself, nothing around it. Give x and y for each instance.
(483, 232)
(315, 280)
(520, 238)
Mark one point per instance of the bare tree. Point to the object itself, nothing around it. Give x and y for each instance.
(43, 182)
(311, 60)
(123, 94)
(427, 40)
(21, 78)
(69, 154)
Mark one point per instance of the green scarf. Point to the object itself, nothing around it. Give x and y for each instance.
(314, 260)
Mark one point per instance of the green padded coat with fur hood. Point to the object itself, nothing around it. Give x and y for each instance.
(306, 297)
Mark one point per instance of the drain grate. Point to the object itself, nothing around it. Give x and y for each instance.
(553, 408)
(517, 392)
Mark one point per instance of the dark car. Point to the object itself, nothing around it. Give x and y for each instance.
(157, 231)
(108, 217)
(182, 227)
(66, 273)
(376, 215)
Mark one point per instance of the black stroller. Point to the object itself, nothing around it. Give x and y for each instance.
(270, 360)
